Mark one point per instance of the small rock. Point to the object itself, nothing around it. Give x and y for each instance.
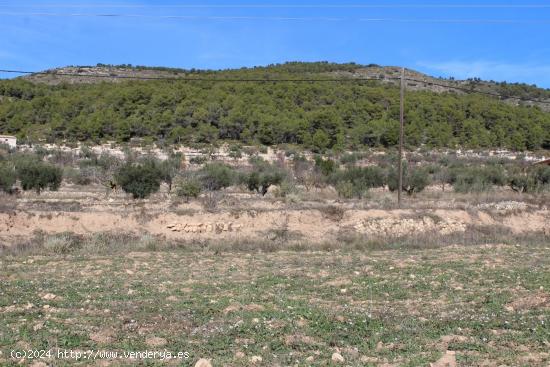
(239, 354)
(155, 341)
(310, 359)
(337, 358)
(38, 326)
(256, 359)
(203, 363)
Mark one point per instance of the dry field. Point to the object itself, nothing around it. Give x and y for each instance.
(484, 305)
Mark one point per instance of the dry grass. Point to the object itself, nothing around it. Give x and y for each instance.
(279, 238)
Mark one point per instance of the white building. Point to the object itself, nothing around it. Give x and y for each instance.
(9, 140)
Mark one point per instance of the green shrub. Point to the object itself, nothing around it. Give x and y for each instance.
(263, 149)
(532, 181)
(285, 189)
(325, 166)
(139, 179)
(216, 176)
(417, 181)
(477, 179)
(168, 170)
(263, 176)
(235, 151)
(521, 182)
(37, 175)
(198, 160)
(7, 177)
(542, 175)
(260, 181)
(346, 190)
(320, 141)
(190, 188)
(107, 161)
(82, 176)
(414, 180)
(350, 158)
(356, 181)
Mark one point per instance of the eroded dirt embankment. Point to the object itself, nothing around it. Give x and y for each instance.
(314, 225)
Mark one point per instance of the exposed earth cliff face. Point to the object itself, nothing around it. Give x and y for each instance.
(267, 221)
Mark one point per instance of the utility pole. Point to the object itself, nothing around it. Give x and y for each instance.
(401, 135)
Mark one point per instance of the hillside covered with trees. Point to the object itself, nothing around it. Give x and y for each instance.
(317, 115)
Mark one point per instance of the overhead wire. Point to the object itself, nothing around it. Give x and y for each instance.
(284, 6)
(281, 18)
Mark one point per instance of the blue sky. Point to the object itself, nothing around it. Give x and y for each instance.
(261, 32)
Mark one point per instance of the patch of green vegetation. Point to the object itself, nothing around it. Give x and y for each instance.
(317, 116)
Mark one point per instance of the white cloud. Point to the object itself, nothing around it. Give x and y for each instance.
(530, 73)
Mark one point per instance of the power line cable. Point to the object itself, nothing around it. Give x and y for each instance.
(283, 18)
(286, 6)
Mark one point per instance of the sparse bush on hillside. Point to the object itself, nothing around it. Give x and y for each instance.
(305, 173)
(534, 180)
(7, 177)
(542, 175)
(62, 158)
(351, 158)
(356, 181)
(441, 175)
(286, 188)
(37, 175)
(198, 160)
(82, 176)
(324, 166)
(169, 169)
(235, 151)
(108, 162)
(139, 179)
(520, 182)
(260, 181)
(262, 177)
(415, 179)
(478, 178)
(189, 188)
(216, 176)
(347, 190)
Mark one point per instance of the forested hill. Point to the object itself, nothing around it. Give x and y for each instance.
(338, 110)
